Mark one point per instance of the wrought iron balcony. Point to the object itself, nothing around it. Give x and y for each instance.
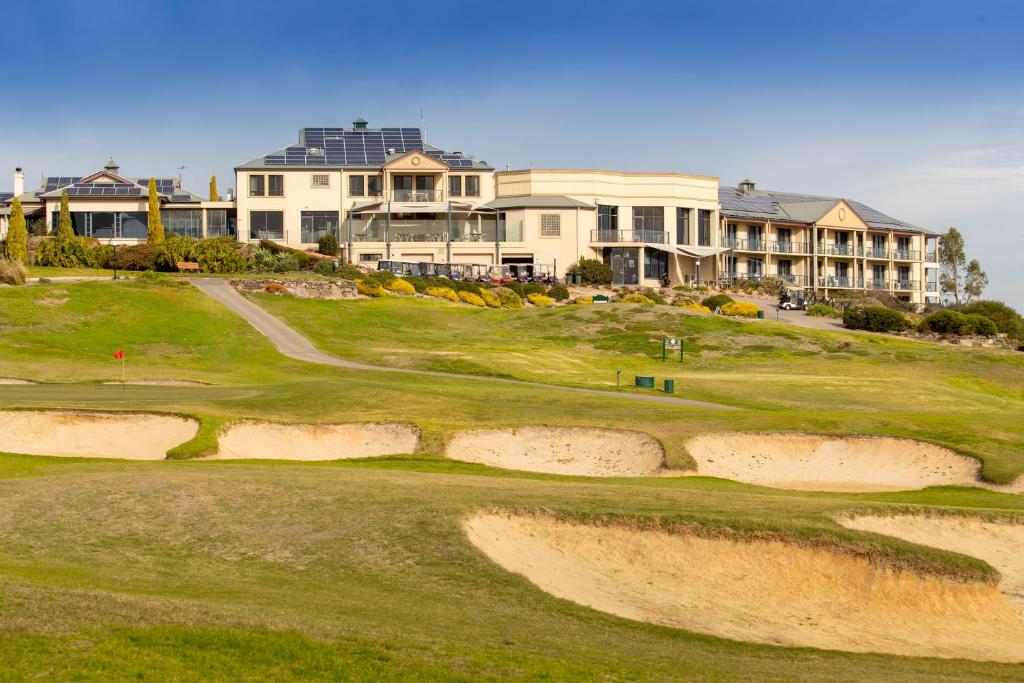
(906, 255)
(906, 285)
(416, 196)
(877, 253)
(789, 247)
(745, 245)
(641, 236)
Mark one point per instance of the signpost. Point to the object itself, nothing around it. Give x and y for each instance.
(671, 343)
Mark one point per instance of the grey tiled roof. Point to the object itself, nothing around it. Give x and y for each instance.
(765, 205)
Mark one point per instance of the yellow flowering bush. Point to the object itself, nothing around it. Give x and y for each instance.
(740, 308)
(471, 299)
(367, 288)
(694, 306)
(490, 300)
(540, 300)
(442, 293)
(399, 286)
(636, 299)
(583, 300)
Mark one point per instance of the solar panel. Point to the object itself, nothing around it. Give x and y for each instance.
(343, 146)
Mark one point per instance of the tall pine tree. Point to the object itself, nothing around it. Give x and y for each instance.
(65, 233)
(155, 233)
(17, 234)
(214, 197)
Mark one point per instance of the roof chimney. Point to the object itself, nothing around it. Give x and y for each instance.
(359, 124)
(111, 166)
(19, 182)
(747, 186)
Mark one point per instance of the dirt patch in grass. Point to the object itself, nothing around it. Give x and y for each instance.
(14, 380)
(999, 543)
(133, 436)
(571, 450)
(824, 463)
(757, 591)
(266, 440)
(162, 383)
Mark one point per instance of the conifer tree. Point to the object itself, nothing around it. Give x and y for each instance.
(214, 197)
(155, 232)
(65, 233)
(17, 234)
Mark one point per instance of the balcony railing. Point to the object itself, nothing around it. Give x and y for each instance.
(642, 236)
(877, 284)
(931, 257)
(838, 249)
(910, 285)
(416, 196)
(745, 245)
(789, 247)
(435, 231)
(877, 252)
(931, 287)
(840, 282)
(791, 279)
(906, 255)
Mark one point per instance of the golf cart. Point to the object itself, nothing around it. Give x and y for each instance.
(793, 300)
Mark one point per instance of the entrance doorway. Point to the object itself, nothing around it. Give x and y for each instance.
(625, 264)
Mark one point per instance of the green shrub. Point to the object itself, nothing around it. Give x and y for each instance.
(471, 299)
(508, 297)
(517, 288)
(534, 288)
(947, 321)
(716, 301)
(328, 245)
(12, 272)
(66, 253)
(347, 271)
(325, 267)
(400, 286)
(1006, 319)
(559, 292)
(173, 250)
(151, 277)
(823, 311)
(540, 299)
(301, 259)
(743, 309)
(636, 298)
(367, 288)
(654, 295)
(981, 325)
(489, 299)
(135, 257)
(381, 277)
(99, 256)
(592, 271)
(418, 283)
(874, 319)
(284, 263)
(442, 293)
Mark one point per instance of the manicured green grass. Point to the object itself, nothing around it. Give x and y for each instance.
(215, 570)
(52, 271)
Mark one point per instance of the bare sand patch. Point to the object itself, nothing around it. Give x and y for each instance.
(563, 450)
(758, 591)
(133, 436)
(162, 383)
(276, 441)
(15, 380)
(825, 463)
(999, 543)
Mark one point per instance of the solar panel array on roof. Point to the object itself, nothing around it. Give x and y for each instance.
(182, 197)
(344, 147)
(105, 190)
(57, 182)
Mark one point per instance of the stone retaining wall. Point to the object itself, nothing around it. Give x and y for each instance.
(304, 289)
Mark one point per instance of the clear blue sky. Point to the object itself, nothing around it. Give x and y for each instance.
(916, 108)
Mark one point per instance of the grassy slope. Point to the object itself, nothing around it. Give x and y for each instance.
(241, 570)
(969, 400)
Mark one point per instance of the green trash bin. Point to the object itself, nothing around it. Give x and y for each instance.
(760, 315)
(670, 386)
(644, 381)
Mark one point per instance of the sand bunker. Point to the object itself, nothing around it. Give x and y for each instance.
(579, 451)
(314, 441)
(14, 380)
(95, 435)
(162, 383)
(1001, 544)
(821, 463)
(759, 591)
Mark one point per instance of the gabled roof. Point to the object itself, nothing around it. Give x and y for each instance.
(113, 185)
(357, 148)
(801, 208)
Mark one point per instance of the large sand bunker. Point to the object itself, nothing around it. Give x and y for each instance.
(759, 591)
(574, 450)
(133, 436)
(999, 543)
(315, 441)
(14, 380)
(824, 463)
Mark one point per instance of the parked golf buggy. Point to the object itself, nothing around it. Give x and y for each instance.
(793, 300)
(471, 272)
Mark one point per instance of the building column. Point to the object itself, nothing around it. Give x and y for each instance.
(387, 232)
(349, 253)
(448, 236)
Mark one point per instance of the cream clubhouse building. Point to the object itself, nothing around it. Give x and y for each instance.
(386, 194)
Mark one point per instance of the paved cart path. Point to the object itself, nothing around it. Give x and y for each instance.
(294, 345)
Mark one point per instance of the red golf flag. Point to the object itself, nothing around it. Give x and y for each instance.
(119, 354)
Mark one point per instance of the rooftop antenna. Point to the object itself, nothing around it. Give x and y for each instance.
(423, 131)
(180, 169)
